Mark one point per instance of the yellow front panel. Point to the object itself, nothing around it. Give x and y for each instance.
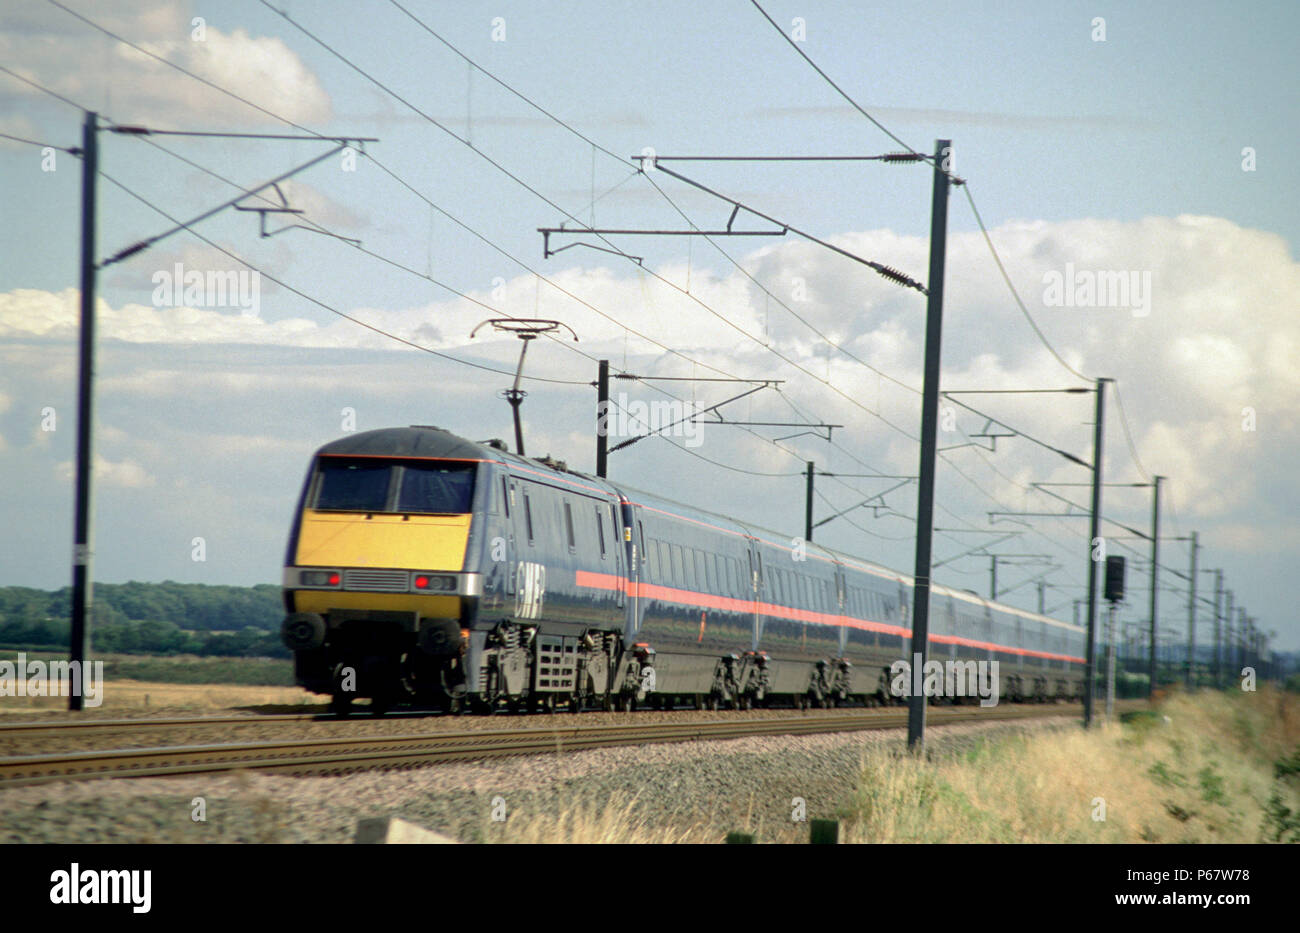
(428, 607)
(357, 539)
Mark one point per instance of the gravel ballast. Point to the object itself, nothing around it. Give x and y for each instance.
(694, 791)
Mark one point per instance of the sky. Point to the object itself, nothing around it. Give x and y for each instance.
(1144, 144)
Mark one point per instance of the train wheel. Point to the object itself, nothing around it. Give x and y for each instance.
(379, 706)
(575, 703)
(699, 701)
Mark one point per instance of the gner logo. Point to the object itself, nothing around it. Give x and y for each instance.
(530, 590)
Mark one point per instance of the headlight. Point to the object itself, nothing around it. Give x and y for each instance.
(433, 582)
(320, 578)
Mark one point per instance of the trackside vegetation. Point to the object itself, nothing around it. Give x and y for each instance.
(1208, 767)
(151, 618)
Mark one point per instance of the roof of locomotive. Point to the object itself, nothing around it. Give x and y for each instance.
(415, 441)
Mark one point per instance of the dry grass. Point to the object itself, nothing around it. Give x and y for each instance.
(1198, 770)
(592, 823)
(131, 696)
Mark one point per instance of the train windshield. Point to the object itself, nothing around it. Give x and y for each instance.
(360, 484)
(436, 487)
(353, 485)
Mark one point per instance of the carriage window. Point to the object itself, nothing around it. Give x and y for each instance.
(505, 496)
(701, 576)
(528, 516)
(600, 532)
(653, 548)
(679, 575)
(568, 525)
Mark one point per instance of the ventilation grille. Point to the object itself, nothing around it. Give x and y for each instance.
(377, 581)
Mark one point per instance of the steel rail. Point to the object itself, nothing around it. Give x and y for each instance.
(56, 727)
(350, 754)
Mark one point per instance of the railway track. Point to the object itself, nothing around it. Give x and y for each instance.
(110, 726)
(332, 756)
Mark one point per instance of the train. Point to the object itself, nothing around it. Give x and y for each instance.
(428, 570)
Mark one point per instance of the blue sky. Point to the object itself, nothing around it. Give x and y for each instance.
(1094, 153)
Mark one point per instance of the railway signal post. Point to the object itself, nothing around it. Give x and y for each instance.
(1114, 595)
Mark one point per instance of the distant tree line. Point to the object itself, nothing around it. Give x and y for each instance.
(151, 618)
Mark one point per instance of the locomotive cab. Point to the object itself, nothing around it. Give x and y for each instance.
(381, 579)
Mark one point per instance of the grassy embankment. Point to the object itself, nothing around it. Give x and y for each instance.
(1214, 767)
(1206, 768)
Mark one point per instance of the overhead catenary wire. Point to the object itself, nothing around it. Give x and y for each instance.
(827, 78)
(533, 190)
(755, 281)
(71, 150)
(42, 88)
(558, 120)
(411, 271)
(1128, 434)
(313, 300)
(397, 338)
(289, 122)
(980, 222)
(596, 146)
(326, 307)
(385, 259)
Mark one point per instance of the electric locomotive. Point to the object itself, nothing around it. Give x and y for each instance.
(425, 568)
